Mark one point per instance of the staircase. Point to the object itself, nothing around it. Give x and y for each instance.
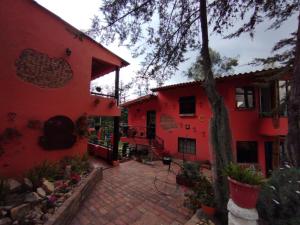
(157, 148)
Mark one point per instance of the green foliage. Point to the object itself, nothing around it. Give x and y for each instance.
(191, 170)
(244, 175)
(4, 189)
(48, 170)
(93, 138)
(279, 201)
(81, 126)
(201, 193)
(221, 65)
(55, 170)
(79, 164)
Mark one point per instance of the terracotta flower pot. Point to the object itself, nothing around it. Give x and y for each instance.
(208, 210)
(244, 195)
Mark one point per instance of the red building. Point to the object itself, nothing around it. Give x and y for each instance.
(46, 69)
(178, 116)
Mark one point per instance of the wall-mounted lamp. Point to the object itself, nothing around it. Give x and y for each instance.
(68, 52)
(187, 126)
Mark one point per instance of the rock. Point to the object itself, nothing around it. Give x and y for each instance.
(14, 185)
(68, 171)
(41, 192)
(16, 222)
(51, 210)
(20, 211)
(5, 221)
(28, 184)
(48, 186)
(14, 199)
(32, 197)
(3, 213)
(45, 217)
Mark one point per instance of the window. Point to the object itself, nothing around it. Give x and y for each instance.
(284, 89)
(187, 105)
(187, 145)
(273, 98)
(247, 152)
(244, 98)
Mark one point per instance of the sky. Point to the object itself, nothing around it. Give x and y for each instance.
(79, 13)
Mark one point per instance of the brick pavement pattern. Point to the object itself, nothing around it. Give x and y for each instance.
(127, 195)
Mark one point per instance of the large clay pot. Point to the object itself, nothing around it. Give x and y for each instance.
(208, 210)
(244, 195)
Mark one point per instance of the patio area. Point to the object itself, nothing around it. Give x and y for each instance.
(127, 195)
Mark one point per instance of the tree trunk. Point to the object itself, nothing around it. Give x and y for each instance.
(220, 132)
(293, 138)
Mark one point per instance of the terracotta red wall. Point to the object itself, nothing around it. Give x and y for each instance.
(245, 124)
(25, 25)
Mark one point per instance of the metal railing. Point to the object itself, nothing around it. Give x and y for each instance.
(103, 95)
(133, 131)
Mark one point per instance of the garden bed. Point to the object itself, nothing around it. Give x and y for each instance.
(50, 193)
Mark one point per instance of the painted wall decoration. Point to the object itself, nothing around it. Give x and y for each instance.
(58, 133)
(39, 69)
(167, 122)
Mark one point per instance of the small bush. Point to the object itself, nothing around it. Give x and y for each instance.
(201, 193)
(279, 201)
(48, 170)
(191, 170)
(244, 175)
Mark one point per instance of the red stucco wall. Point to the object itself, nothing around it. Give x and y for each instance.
(245, 124)
(24, 25)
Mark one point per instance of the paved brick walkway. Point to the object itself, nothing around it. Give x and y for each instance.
(127, 195)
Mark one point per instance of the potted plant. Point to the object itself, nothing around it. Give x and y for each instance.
(202, 195)
(166, 158)
(244, 185)
(189, 174)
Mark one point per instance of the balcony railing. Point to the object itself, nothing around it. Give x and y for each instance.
(133, 131)
(103, 95)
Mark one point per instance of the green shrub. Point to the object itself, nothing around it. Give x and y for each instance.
(93, 138)
(191, 170)
(79, 164)
(244, 175)
(279, 201)
(48, 170)
(201, 193)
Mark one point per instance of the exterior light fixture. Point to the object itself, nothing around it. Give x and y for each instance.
(187, 126)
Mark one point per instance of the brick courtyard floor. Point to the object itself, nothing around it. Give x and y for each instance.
(127, 195)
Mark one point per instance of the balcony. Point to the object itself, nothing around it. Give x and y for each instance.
(273, 127)
(103, 105)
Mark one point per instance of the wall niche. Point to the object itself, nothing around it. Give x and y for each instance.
(58, 133)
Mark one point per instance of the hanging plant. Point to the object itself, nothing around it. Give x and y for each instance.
(34, 124)
(9, 134)
(82, 126)
(111, 104)
(96, 101)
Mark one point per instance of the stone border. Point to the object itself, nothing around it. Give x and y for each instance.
(69, 208)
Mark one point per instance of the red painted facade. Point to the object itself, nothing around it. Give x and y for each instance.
(246, 125)
(26, 25)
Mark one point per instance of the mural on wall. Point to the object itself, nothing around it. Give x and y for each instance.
(58, 133)
(167, 122)
(39, 69)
